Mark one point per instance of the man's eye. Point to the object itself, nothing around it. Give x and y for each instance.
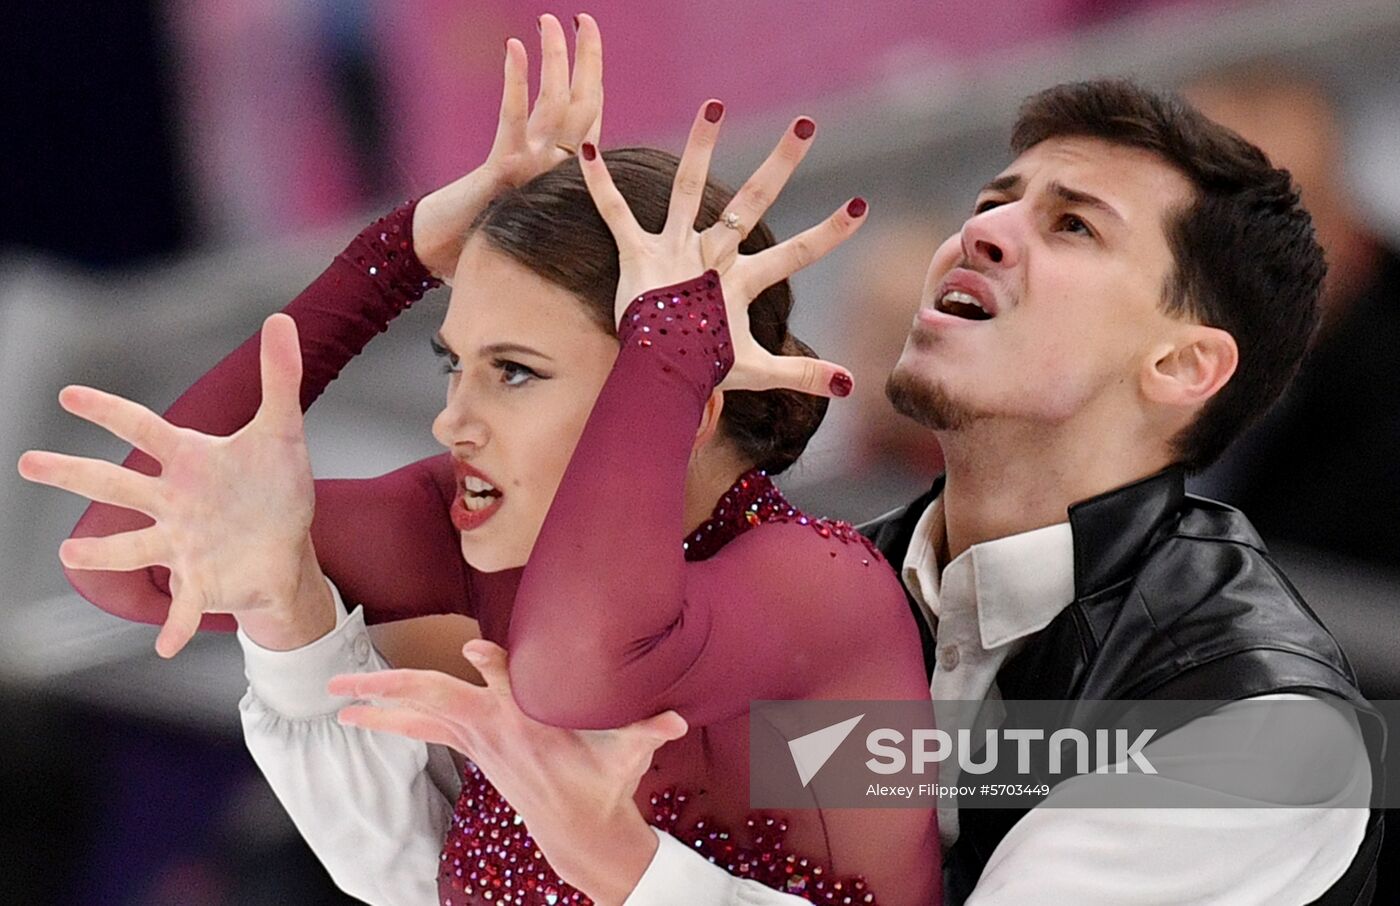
(984, 206)
(514, 374)
(1074, 224)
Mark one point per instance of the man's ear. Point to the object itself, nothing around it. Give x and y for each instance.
(1190, 371)
(709, 420)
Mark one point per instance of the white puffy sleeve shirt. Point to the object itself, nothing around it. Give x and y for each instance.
(374, 807)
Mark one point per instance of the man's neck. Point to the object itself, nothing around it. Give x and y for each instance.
(999, 482)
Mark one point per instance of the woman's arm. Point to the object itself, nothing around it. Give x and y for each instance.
(387, 541)
(399, 519)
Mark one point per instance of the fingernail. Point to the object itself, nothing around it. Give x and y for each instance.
(575, 24)
(713, 111)
(804, 128)
(539, 24)
(841, 384)
(857, 207)
(590, 150)
(473, 656)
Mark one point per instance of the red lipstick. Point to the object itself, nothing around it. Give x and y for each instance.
(467, 519)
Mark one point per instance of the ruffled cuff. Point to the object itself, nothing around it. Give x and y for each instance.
(293, 683)
(685, 327)
(678, 876)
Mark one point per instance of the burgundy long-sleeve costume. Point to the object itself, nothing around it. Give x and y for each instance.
(617, 616)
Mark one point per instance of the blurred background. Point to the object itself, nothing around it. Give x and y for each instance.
(173, 170)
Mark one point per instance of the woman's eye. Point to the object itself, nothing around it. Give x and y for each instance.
(514, 374)
(451, 364)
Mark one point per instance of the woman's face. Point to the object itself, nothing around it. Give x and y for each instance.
(527, 364)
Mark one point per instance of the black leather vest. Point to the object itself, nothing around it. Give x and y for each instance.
(1175, 599)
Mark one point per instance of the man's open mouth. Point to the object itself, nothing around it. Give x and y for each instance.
(960, 304)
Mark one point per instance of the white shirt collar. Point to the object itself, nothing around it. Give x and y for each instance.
(1018, 583)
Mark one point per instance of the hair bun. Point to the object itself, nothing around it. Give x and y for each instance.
(776, 424)
(791, 345)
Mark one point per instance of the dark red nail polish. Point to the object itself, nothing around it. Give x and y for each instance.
(590, 151)
(576, 23)
(713, 111)
(841, 384)
(804, 128)
(856, 208)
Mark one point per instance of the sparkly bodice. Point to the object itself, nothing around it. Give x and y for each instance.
(490, 857)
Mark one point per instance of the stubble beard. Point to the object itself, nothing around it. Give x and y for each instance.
(927, 402)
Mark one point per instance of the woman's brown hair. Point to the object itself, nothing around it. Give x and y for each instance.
(550, 226)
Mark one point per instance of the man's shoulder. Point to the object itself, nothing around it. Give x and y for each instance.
(1207, 520)
(1211, 553)
(1206, 551)
(884, 523)
(1208, 586)
(892, 531)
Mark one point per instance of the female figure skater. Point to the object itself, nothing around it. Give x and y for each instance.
(613, 438)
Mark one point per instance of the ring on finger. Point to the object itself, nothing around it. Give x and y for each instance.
(731, 221)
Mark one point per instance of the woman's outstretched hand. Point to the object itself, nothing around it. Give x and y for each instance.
(573, 788)
(680, 252)
(232, 515)
(568, 111)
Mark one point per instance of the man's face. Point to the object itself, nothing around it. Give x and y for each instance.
(1047, 303)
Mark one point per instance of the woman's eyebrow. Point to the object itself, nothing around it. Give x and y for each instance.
(496, 349)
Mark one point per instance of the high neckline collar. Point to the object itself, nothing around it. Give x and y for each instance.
(752, 500)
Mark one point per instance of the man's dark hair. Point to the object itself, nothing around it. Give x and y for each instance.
(1246, 260)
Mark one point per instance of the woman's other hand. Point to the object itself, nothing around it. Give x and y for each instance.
(231, 515)
(680, 252)
(568, 111)
(573, 788)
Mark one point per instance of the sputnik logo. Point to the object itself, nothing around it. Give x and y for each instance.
(811, 751)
